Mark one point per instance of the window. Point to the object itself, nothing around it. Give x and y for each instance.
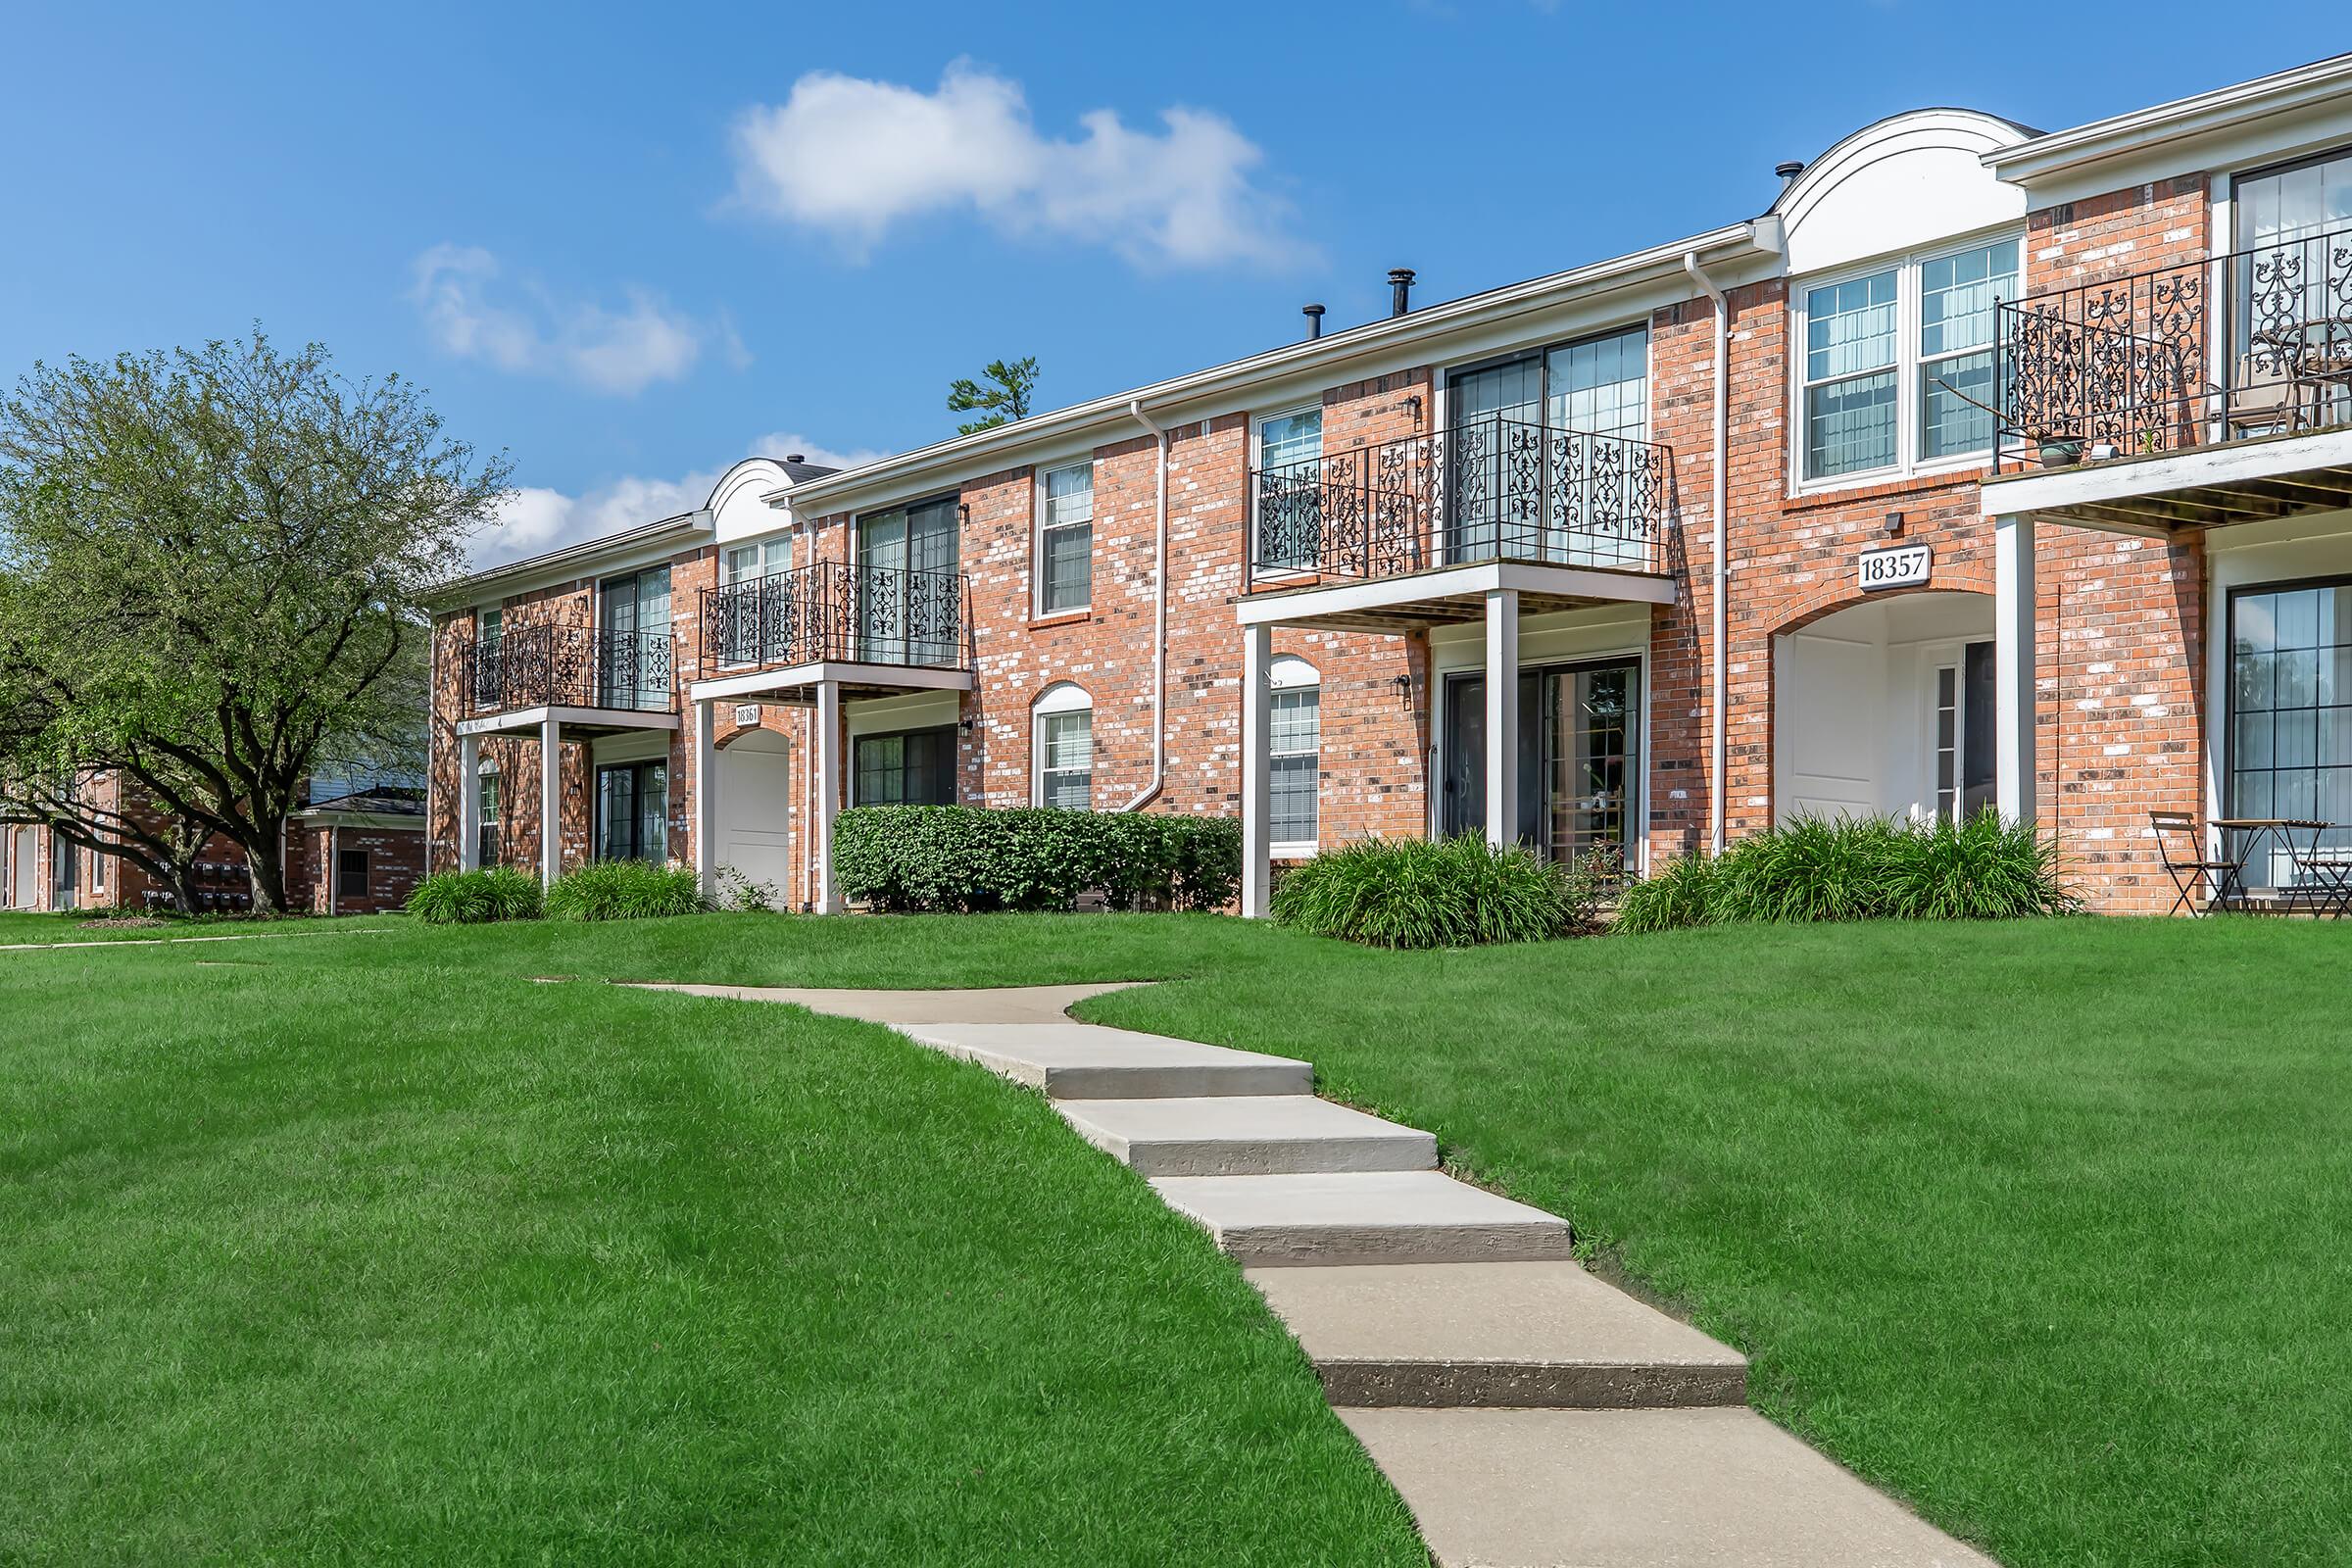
(98, 860)
(1947, 742)
(911, 767)
(1601, 385)
(1531, 438)
(633, 663)
(1065, 540)
(2299, 202)
(1294, 755)
(1893, 357)
(1289, 491)
(1066, 747)
(486, 847)
(490, 625)
(351, 875)
(744, 621)
(762, 558)
(2290, 712)
(632, 802)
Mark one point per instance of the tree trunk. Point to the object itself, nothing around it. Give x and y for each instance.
(268, 872)
(184, 884)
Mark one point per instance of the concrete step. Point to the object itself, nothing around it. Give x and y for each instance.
(1639, 1488)
(1495, 1335)
(1363, 1217)
(1086, 1061)
(1246, 1136)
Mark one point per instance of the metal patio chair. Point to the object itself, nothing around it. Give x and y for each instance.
(2181, 841)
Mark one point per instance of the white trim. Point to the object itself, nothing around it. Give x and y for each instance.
(2090, 484)
(796, 677)
(612, 556)
(529, 718)
(1307, 604)
(1062, 698)
(1255, 451)
(1039, 498)
(2143, 129)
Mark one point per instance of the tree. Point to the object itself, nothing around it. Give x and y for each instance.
(1006, 400)
(212, 570)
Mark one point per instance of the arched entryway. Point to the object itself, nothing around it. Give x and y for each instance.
(755, 795)
(1885, 707)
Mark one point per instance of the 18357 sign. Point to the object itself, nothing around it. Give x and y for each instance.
(1904, 566)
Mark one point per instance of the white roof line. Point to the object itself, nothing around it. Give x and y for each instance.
(2140, 129)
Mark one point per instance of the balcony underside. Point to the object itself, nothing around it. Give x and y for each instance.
(1445, 595)
(2251, 480)
(578, 723)
(798, 683)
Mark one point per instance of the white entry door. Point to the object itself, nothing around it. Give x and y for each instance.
(753, 789)
(26, 890)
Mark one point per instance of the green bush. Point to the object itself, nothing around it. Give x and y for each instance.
(1867, 868)
(625, 890)
(905, 859)
(1444, 893)
(476, 898)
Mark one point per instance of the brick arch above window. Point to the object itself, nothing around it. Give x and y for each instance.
(1829, 598)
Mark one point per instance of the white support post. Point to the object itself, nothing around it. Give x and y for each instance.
(1503, 718)
(828, 791)
(1257, 734)
(705, 798)
(550, 801)
(469, 803)
(2013, 665)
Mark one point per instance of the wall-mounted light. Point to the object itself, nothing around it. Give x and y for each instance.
(1894, 524)
(1404, 688)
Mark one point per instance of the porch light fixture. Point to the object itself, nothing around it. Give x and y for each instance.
(1894, 524)
(1404, 688)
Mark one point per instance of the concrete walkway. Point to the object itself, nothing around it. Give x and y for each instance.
(1531, 1415)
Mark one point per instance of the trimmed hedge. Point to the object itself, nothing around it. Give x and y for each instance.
(625, 890)
(1869, 868)
(476, 898)
(1450, 893)
(908, 859)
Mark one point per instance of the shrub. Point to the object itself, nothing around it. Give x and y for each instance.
(1444, 893)
(738, 891)
(1980, 869)
(905, 859)
(1680, 893)
(625, 890)
(1809, 869)
(476, 898)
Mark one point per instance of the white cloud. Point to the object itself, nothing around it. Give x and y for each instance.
(523, 329)
(536, 519)
(852, 157)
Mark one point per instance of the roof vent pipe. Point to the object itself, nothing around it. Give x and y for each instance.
(1400, 291)
(1788, 172)
(1314, 320)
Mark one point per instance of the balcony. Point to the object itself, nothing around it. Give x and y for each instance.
(596, 681)
(2207, 392)
(875, 629)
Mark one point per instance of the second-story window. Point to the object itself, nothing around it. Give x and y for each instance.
(1893, 358)
(762, 558)
(752, 627)
(1289, 502)
(1065, 540)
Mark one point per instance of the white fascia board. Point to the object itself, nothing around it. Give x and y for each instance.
(794, 676)
(379, 820)
(530, 718)
(2143, 129)
(1334, 355)
(648, 546)
(2142, 478)
(1485, 578)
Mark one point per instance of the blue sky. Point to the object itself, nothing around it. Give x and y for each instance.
(631, 244)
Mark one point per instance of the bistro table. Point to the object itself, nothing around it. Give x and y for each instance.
(2280, 830)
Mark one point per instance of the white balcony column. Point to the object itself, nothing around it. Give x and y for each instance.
(1503, 718)
(1258, 735)
(706, 798)
(550, 801)
(2013, 665)
(828, 791)
(469, 803)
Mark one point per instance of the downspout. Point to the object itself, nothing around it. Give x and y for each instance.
(1160, 614)
(1718, 791)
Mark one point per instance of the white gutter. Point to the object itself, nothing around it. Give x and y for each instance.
(2141, 130)
(1159, 612)
(1718, 792)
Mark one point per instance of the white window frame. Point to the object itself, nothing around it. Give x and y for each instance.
(1044, 526)
(1291, 674)
(765, 544)
(1257, 454)
(489, 624)
(1055, 700)
(1908, 362)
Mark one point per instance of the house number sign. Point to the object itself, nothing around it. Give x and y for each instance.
(747, 714)
(1904, 566)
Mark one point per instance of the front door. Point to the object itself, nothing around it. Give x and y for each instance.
(632, 812)
(1580, 756)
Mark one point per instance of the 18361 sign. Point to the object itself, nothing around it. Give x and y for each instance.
(1904, 566)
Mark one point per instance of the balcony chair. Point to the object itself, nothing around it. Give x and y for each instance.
(2180, 842)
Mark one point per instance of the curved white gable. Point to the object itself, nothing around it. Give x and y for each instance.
(1906, 181)
(735, 507)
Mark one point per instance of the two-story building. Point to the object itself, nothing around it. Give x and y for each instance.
(1984, 466)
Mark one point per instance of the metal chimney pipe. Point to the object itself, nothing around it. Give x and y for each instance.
(1788, 170)
(1400, 291)
(1314, 320)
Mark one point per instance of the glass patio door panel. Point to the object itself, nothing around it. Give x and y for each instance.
(1463, 758)
(1602, 385)
(2290, 715)
(2294, 289)
(901, 619)
(633, 648)
(1592, 747)
(1495, 470)
(632, 812)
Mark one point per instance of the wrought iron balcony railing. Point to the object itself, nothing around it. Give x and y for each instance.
(836, 610)
(2256, 342)
(561, 666)
(1493, 489)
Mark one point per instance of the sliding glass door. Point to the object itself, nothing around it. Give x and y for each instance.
(909, 604)
(2291, 714)
(633, 651)
(632, 812)
(1580, 758)
(1537, 465)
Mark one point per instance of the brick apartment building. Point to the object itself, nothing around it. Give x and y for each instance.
(1984, 466)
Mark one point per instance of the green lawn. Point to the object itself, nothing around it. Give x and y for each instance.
(365, 1247)
(50, 927)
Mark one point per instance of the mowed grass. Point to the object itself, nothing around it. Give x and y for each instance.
(50, 927)
(2045, 1226)
(369, 1249)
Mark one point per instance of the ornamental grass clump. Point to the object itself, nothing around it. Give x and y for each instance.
(1446, 893)
(1979, 869)
(1678, 895)
(625, 890)
(476, 898)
